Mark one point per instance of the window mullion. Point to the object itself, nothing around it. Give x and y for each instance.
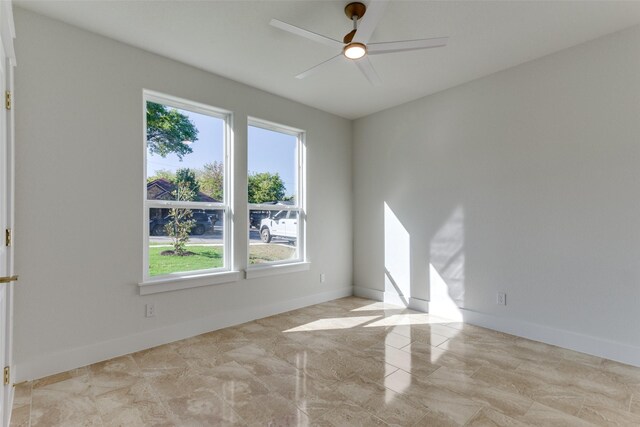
(168, 204)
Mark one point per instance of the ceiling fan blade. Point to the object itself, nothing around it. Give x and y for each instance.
(318, 67)
(405, 45)
(369, 22)
(306, 34)
(369, 72)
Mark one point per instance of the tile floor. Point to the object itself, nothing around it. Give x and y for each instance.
(348, 362)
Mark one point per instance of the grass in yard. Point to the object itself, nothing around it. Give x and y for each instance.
(205, 257)
(259, 254)
(210, 257)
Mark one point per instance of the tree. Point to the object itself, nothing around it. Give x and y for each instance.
(162, 174)
(168, 130)
(180, 220)
(211, 179)
(265, 187)
(187, 177)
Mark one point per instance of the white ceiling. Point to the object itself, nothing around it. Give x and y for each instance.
(234, 39)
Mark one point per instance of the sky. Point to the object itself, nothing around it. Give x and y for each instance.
(268, 151)
(271, 151)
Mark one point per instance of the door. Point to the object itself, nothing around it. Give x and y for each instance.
(7, 62)
(3, 225)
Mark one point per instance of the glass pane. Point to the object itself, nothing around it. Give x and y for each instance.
(272, 166)
(273, 236)
(182, 240)
(185, 152)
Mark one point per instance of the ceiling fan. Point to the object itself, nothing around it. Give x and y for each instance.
(355, 46)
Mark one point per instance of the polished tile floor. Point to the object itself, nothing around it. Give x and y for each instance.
(348, 362)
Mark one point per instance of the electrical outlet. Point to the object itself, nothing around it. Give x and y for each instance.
(322, 278)
(151, 310)
(501, 298)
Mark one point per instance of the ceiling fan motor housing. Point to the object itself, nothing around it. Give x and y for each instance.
(355, 9)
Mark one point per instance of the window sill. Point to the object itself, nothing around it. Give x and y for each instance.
(167, 284)
(272, 270)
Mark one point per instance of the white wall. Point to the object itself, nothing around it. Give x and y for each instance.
(78, 231)
(526, 182)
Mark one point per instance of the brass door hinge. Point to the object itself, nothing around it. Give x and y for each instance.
(7, 377)
(7, 237)
(7, 100)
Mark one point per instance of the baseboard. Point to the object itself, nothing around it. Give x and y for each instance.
(368, 293)
(594, 346)
(419, 304)
(394, 298)
(50, 364)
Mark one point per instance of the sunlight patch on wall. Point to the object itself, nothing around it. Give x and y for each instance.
(397, 256)
(446, 268)
(441, 303)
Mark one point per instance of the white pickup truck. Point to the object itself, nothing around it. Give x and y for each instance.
(283, 225)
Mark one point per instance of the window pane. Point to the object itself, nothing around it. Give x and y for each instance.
(185, 152)
(183, 240)
(272, 166)
(273, 236)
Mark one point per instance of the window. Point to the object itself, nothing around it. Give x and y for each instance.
(187, 196)
(275, 194)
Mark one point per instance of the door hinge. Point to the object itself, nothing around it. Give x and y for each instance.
(7, 100)
(6, 376)
(7, 237)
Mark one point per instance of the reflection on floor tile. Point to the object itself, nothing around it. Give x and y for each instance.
(348, 362)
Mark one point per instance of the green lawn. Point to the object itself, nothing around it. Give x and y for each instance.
(205, 257)
(209, 257)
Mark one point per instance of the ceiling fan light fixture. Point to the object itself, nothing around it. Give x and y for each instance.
(355, 44)
(355, 50)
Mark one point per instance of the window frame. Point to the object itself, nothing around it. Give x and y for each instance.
(300, 199)
(226, 205)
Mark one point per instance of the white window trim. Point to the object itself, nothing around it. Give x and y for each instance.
(177, 282)
(300, 263)
(190, 279)
(273, 269)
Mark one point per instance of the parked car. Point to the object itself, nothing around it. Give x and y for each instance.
(202, 225)
(256, 217)
(283, 224)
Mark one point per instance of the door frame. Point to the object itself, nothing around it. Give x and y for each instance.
(7, 35)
